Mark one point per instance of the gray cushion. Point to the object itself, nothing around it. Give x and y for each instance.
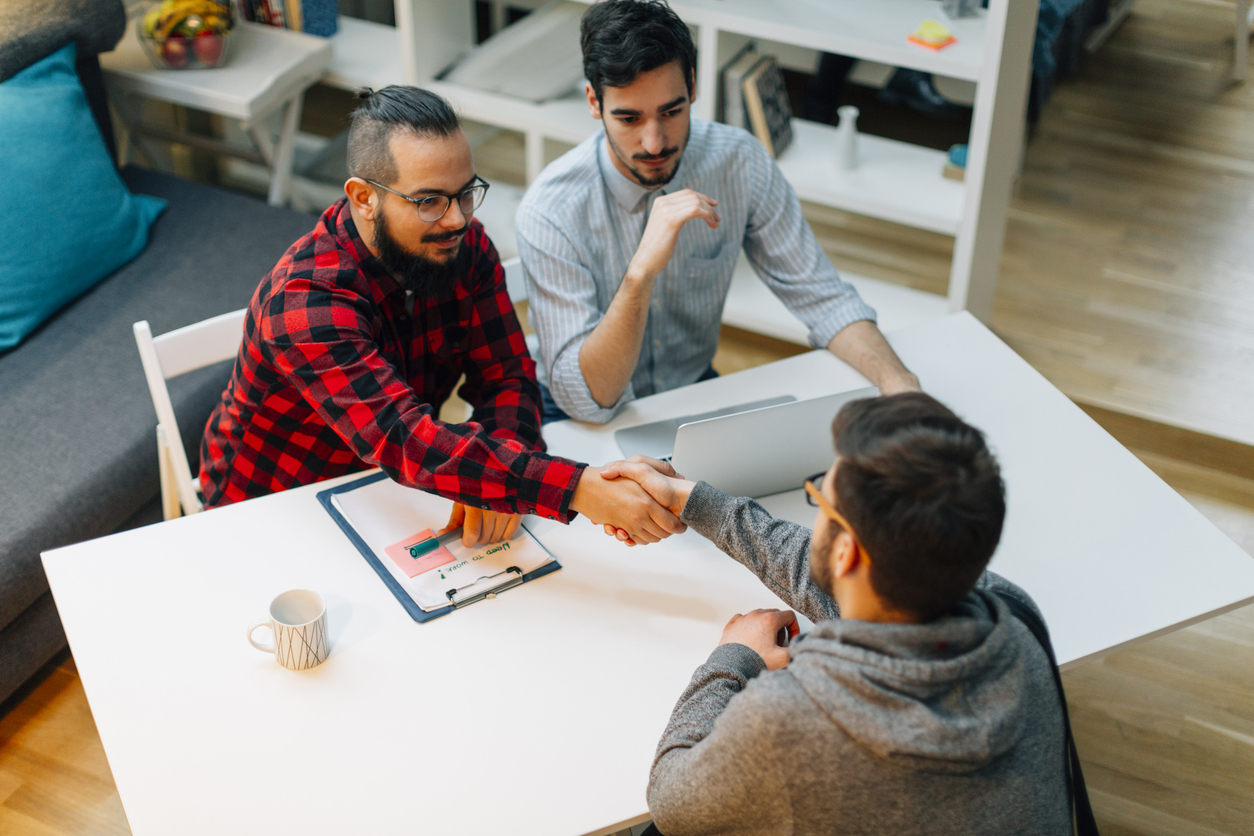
(79, 447)
(34, 29)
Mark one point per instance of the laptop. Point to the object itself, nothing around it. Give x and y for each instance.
(765, 450)
(657, 439)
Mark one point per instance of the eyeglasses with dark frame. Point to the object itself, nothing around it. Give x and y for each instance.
(432, 207)
(815, 499)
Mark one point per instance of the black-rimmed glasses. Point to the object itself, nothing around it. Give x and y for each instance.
(432, 207)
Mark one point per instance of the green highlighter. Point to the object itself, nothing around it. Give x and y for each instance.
(427, 546)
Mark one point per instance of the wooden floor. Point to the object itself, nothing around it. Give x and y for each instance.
(1128, 280)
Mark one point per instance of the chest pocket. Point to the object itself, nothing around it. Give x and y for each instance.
(715, 268)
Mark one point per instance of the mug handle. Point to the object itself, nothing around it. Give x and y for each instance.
(265, 648)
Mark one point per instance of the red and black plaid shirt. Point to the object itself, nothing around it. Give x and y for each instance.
(335, 376)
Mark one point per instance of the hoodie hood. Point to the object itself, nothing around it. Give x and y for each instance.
(946, 696)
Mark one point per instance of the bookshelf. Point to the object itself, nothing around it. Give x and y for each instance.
(896, 181)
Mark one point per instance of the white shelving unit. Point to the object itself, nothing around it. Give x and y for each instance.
(896, 181)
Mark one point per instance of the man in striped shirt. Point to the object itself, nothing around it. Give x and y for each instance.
(628, 241)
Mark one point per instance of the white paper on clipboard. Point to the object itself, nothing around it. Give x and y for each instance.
(385, 512)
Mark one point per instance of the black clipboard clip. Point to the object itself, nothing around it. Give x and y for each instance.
(516, 577)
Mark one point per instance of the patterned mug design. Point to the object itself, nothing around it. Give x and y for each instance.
(298, 622)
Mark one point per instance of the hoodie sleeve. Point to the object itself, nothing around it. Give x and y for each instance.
(714, 770)
(777, 551)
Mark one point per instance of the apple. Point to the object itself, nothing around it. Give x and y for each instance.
(174, 52)
(208, 46)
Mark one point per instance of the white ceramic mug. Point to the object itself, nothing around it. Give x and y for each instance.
(298, 620)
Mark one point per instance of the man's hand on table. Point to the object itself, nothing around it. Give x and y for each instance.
(623, 505)
(480, 526)
(658, 478)
(758, 631)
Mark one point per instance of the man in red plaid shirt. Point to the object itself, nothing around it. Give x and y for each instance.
(359, 334)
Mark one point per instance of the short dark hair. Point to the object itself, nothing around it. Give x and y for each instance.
(924, 495)
(384, 112)
(623, 38)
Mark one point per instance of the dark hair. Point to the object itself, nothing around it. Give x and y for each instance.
(623, 38)
(924, 496)
(382, 113)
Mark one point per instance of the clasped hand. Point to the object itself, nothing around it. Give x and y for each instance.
(658, 479)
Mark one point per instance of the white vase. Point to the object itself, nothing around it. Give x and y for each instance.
(847, 138)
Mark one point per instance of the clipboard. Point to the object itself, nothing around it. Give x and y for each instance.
(484, 588)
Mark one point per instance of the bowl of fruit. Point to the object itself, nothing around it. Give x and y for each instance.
(186, 34)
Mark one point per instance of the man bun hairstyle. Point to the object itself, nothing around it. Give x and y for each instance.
(924, 495)
(384, 112)
(623, 38)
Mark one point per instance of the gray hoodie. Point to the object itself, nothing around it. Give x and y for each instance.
(949, 727)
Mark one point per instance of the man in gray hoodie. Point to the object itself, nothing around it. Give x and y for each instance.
(918, 703)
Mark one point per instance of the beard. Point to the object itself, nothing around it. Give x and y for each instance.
(821, 557)
(643, 176)
(428, 278)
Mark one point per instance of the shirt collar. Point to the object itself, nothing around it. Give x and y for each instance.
(630, 195)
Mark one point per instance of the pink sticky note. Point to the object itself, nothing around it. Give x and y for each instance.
(399, 552)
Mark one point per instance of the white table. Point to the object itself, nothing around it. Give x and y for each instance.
(263, 80)
(538, 713)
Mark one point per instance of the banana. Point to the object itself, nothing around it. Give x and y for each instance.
(173, 12)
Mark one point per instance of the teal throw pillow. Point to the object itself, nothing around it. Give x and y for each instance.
(68, 219)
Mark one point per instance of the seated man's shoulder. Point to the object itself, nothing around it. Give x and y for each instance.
(312, 261)
(730, 141)
(565, 185)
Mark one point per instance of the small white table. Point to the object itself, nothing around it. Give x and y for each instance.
(265, 77)
(538, 713)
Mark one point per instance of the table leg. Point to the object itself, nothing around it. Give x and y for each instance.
(1241, 50)
(265, 142)
(279, 156)
(284, 154)
(130, 108)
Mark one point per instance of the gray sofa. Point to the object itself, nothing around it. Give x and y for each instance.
(77, 427)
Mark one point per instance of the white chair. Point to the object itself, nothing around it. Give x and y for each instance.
(171, 355)
(514, 279)
(517, 288)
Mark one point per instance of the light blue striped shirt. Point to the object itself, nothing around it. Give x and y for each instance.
(579, 225)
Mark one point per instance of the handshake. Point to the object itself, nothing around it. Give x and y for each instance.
(638, 500)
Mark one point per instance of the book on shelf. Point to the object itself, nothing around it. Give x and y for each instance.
(315, 17)
(731, 110)
(766, 103)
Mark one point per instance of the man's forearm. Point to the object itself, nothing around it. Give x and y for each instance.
(608, 358)
(862, 346)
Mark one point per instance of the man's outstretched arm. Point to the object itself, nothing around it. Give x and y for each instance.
(777, 551)
(862, 346)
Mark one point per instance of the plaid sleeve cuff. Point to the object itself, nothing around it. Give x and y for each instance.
(547, 487)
